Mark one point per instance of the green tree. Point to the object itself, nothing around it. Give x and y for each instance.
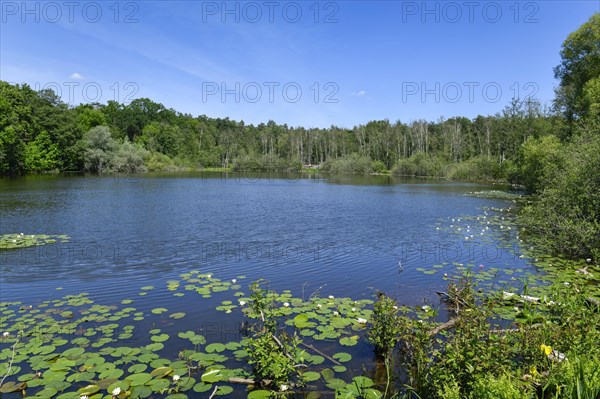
(99, 149)
(580, 63)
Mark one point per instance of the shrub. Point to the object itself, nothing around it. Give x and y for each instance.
(348, 165)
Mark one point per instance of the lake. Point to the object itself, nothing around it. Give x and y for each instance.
(316, 236)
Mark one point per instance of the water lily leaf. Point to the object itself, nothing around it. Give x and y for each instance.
(139, 379)
(201, 387)
(327, 374)
(339, 369)
(186, 335)
(112, 373)
(73, 352)
(46, 392)
(362, 382)
(224, 390)
(177, 396)
(316, 359)
(137, 368)
(147, 288)
(89, 390)
(342, 357)
(259, 394)
(301, 321)
(12, 386)
(123, 385)
(177, 315)
(158, 310)
(310, 376)
(212, 375)
(161, 372)
(349, 341)
(335, 383)
(216, 347)
(159, 338)
(140, 391)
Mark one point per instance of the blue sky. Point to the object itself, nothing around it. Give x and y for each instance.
(305, 63)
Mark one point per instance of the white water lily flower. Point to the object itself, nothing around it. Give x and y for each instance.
(209, 275)
(83, 397)
(233, 281)
(116, 391)
(361, 320)
(335, 313)
(176, 377)
(5, 334)
(242, 303)
(354, 309)
(286, 304)
(319, 305)
(283, 388)
(395, 307)
(331, 297)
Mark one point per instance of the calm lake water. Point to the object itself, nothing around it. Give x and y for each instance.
(346, 235)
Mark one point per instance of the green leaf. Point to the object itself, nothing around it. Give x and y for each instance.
(216, 347)
(139, 379)
(342, 357)
(310, 376)
(349, 341)
(212, 375)
(259, 394)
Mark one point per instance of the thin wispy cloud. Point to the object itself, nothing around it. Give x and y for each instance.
(76, 76)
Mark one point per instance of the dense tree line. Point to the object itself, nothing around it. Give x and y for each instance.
(39, 132)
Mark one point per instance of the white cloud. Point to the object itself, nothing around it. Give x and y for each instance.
(76, 76)
(358, 94)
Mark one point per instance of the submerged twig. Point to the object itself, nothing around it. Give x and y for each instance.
(321, 353)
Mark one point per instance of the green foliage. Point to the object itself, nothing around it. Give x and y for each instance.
(577, 378)
(539, 161)
(580, 63)
(480, 168)
(129, 158)
(272, 352)
(504, 386)
(99, 150)
(41, 154)
(386, 325)
(379, 167)
(422, 165)
(565, 219)
(478, 357)
(353, 164)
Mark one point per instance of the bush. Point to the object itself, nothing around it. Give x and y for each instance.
(99, 150)
(421, 165)
(157, 162)
(379, 167)
(353, 164)
(129, 158)
(254, 163)
(565, 218)
(479, 169)
(538, 162)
